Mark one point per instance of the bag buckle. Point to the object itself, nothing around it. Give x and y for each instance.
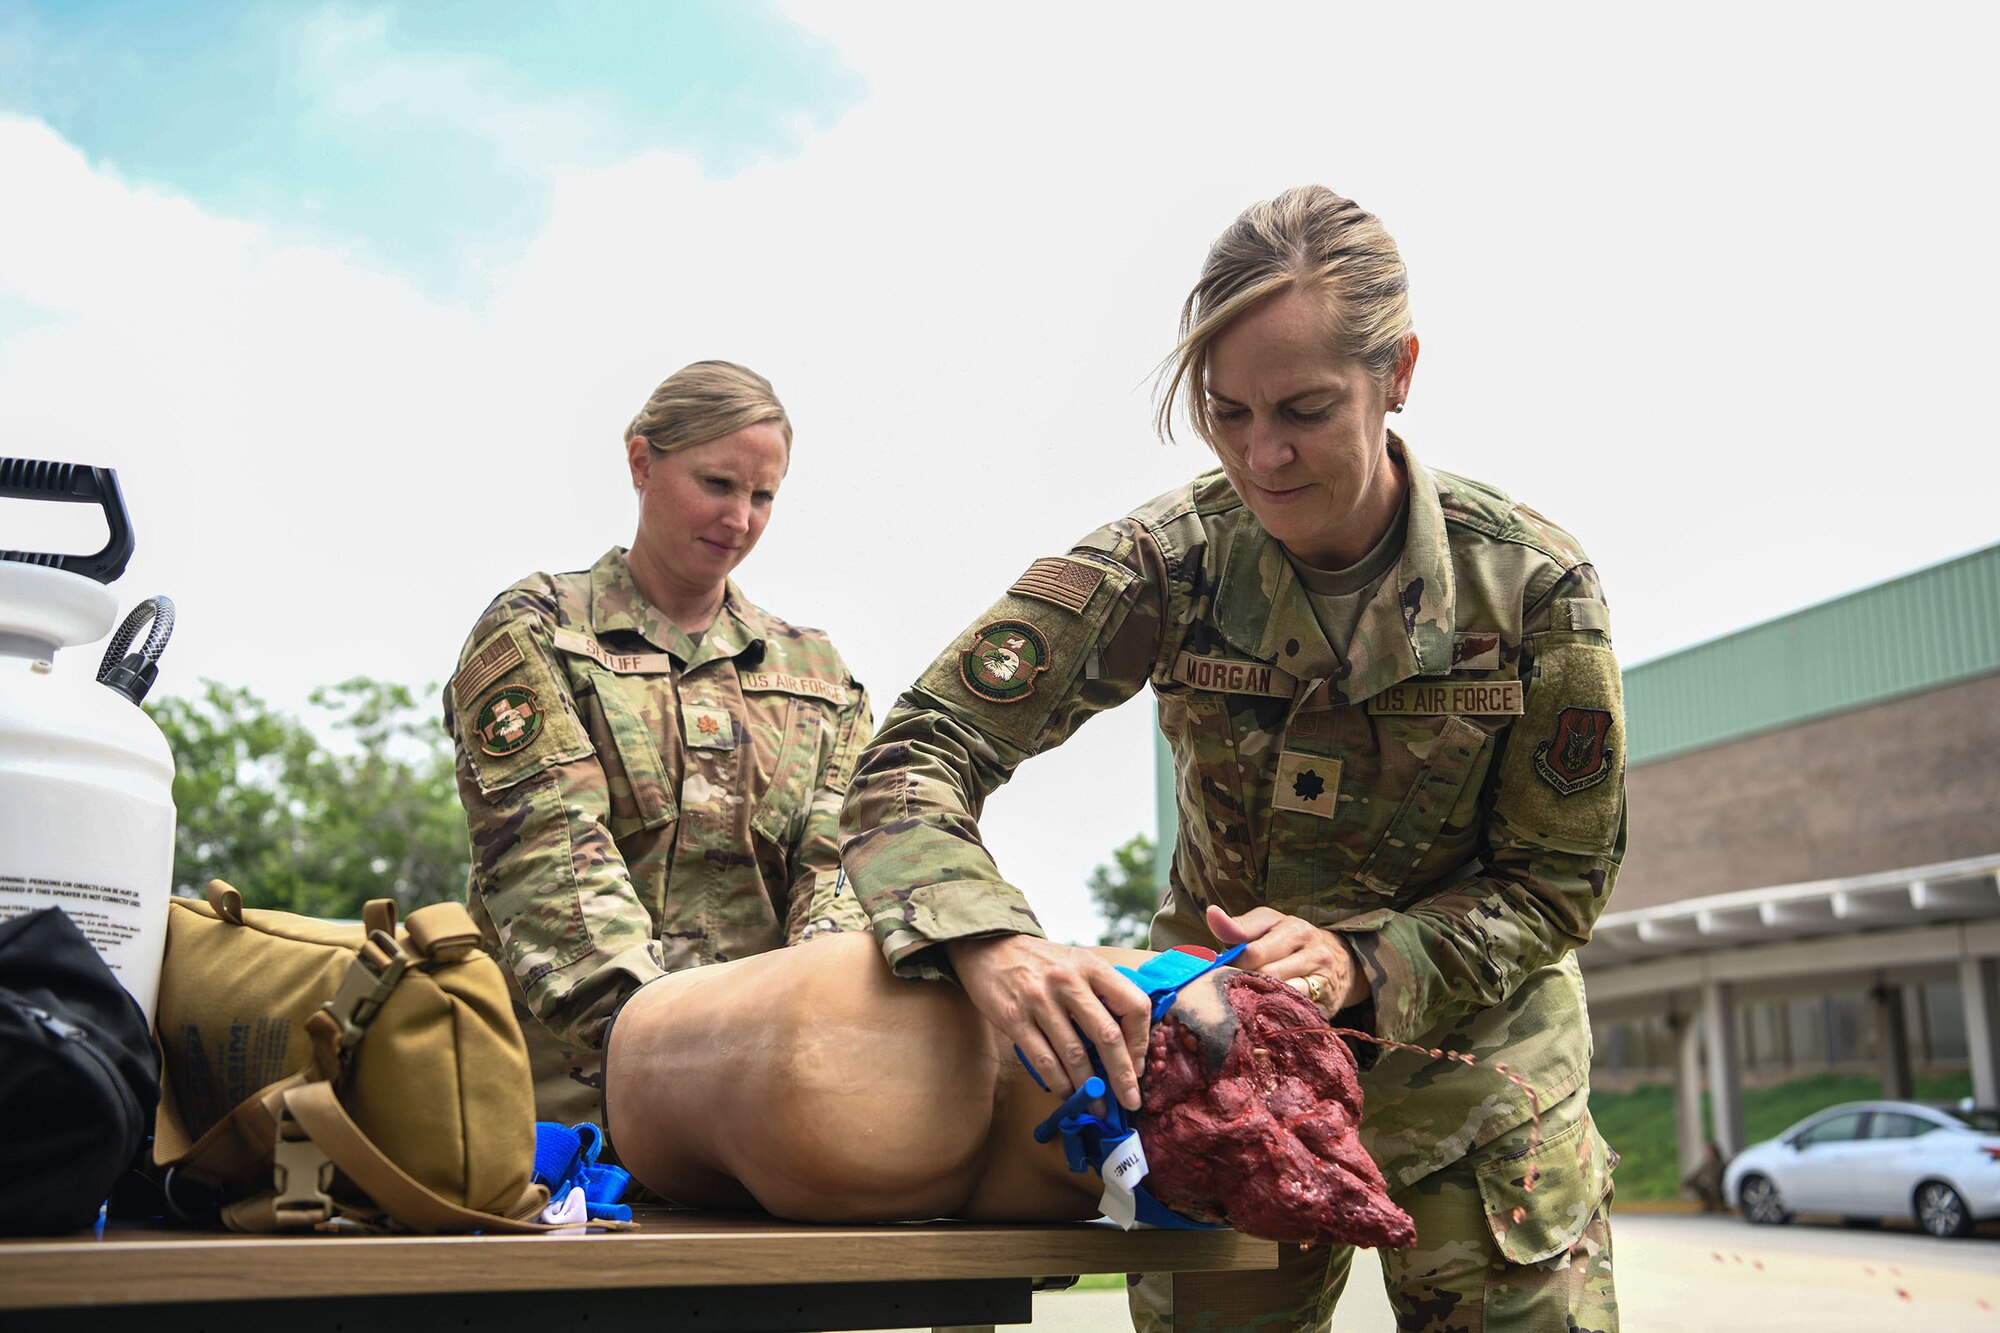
(300, 1172)
(363, 991)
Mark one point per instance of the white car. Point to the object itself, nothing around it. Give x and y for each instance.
(1875, 1159)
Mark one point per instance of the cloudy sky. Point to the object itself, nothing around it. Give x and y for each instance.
(357, 298)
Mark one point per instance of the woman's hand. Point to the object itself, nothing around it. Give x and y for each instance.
(1316, 963)
(1042, 995)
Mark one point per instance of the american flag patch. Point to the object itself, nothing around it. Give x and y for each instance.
(487, 665)
(1065, 582)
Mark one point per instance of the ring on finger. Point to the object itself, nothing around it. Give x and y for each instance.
(1316, 989)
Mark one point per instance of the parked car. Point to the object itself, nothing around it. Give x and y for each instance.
(1875, 1159)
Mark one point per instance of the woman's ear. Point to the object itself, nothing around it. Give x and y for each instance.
(639, 455)
(1406, 366)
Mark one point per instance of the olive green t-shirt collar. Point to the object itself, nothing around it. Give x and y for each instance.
(1404, 631)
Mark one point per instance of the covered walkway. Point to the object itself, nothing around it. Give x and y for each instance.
(1695, 961)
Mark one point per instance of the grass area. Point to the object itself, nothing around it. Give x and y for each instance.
(1640, 1123)
(1100, 1282)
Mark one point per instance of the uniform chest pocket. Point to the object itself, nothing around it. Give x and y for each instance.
(1446, 753)
(636, 712)
(787, 733)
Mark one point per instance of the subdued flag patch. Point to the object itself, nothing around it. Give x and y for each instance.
(1060, 580)
(500, 655)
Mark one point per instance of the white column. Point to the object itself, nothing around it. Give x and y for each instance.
(1688, 1128)
(1976, 991)
(1725, 1079)
(1892, 1040)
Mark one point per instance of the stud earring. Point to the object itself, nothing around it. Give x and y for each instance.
(1397, 408)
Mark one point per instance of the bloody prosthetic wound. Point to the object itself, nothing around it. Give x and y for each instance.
(1250, 1119)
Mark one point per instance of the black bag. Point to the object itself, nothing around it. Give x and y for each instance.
(79, 1076)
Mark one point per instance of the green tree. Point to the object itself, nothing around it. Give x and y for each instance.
(315, 819)
(1126, 893)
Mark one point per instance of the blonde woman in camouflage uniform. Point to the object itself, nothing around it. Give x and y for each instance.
(1398, 734)
(651, 765)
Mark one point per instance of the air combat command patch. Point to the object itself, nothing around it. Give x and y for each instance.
(1576, 757)
(1003, 661)
(508, 720)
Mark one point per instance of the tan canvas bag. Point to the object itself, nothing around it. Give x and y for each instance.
(327, 1075)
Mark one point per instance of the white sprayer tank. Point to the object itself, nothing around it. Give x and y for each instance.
(86, 781)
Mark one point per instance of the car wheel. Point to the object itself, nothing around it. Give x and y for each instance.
(1762, 1204)
(1940, 1211)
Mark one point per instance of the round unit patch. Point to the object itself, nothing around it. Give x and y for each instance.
(508, 720)
(1003, 661)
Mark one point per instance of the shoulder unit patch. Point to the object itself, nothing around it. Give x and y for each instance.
(507, 720)
(1576, 757)
(1003, 661)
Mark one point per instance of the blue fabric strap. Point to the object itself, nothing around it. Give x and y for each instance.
(566, 1159)
(1089, 1138)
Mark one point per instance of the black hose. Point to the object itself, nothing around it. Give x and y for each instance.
(132, 674)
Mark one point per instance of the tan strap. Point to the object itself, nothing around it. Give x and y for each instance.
(442, 926)
(226, 901)
(319, 1112)
(379, 914)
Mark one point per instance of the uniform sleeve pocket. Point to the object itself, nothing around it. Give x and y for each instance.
(1571, 1174)
(515, 719)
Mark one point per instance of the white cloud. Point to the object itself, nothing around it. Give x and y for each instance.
(1718, 306)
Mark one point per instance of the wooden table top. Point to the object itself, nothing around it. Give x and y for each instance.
(126, 1265)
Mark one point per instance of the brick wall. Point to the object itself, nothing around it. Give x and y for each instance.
(1903, 783)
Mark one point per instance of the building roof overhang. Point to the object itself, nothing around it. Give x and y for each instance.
(1964, 890)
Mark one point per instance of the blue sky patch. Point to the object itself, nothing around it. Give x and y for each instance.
(419, 136)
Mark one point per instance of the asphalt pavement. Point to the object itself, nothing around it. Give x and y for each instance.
(1686, 1273)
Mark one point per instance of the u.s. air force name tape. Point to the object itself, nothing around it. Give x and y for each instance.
(780, 682)
(1486, 698)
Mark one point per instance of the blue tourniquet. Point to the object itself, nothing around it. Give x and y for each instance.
(566, 1159)
(1089, 1139)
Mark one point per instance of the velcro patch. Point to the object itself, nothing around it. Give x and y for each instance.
(1581, 613)
(1576, 756)
(1479, 698)
(1060, 580)
(779, 682)
(1003, 661)
(1475, 652)
(625, 664)
(707, 727)
(513, 716)
(1561, 771)
(1232, 676)
(507, 720)
(500, 655)
(1308, 783)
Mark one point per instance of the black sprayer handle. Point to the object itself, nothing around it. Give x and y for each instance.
(72, 483)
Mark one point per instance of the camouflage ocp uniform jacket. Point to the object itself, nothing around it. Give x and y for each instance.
(1446, 790)
(640, 803)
